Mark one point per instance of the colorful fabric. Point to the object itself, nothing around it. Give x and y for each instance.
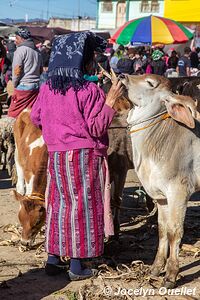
(157, 54)
(66, 63)
(23, 33)
(21, 100)
(152, 30)
(75, 204)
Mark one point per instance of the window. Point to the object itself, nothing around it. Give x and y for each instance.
(145, 7)
(155, 7)
(148, 6)
(107, 7)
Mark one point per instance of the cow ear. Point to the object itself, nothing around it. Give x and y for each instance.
(181, 110)
(17, 196)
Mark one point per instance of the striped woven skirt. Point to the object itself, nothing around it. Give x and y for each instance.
(74, 203)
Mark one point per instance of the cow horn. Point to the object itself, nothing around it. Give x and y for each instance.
(113, 74)
(112, 77)
(105, 72)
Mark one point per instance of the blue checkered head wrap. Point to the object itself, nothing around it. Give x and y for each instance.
(23, 33)
(69, 55)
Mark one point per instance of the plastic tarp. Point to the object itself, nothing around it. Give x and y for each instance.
(47, 33)
(6, 30)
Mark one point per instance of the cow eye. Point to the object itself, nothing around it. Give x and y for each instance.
(150, 83)
(121, 76)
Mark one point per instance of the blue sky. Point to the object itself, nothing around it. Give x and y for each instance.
(16, 9)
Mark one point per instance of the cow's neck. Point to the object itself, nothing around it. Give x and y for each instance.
(143, 115)
(135, 116)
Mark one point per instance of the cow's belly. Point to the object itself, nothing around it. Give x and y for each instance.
(159, 182)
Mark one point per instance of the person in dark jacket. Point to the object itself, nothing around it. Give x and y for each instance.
(125, 65)
(184, 64)
(101, 59)
(158, 64)
(45, 52)
(11, 47)
(173, 60)
(194, 59)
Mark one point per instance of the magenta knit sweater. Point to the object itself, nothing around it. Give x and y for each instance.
(74, 121)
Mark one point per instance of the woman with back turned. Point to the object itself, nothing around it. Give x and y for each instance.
(74, 115)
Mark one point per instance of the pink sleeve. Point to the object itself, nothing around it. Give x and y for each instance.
(97, 114)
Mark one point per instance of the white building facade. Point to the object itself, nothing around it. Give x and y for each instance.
(111, 14)
(73, 24)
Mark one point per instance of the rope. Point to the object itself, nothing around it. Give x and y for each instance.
(164, 117)
(151, 118)
(36, 196)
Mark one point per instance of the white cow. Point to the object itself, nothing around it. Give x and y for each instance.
(166, 156)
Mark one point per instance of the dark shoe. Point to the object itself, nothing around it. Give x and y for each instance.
(52, 269)
(75, 277)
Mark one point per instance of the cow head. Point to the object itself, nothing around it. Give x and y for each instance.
(151, 94)
(31, 216)
(145, 89)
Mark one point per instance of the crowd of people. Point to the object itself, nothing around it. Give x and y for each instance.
(130, 60)
(52, 78)
(140, 60)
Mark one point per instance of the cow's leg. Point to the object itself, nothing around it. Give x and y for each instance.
(20, 175)
(116, 200)
(29, 185)
(177, 210)
(161, 256)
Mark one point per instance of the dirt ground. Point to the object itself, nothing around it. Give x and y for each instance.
(22, 274)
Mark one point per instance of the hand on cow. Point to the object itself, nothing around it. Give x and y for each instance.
(116, 91)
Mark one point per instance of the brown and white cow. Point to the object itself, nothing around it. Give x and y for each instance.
(31, 164)
(165, 142)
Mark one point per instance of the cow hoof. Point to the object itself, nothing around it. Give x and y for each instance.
(168, 284)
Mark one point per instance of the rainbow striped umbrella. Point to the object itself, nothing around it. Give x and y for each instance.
(152, 30)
